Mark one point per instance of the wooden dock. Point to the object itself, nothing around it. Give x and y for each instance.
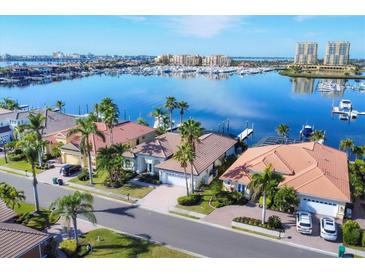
(244, 134)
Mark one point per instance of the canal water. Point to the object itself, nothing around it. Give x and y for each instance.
(264, 100)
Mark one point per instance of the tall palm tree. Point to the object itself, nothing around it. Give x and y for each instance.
(36, 124)
(185, 155)
(159, 114)
(73, 205)
(283, 130)
(346, 145)
(190, 131)
(30, 146)
(170, 104)
(60, 105)
(142, 121)
(182, 106)
(263, 183)
(110, 114)
(86, 128)
(10, 195)
(317, 136)
(9, 104)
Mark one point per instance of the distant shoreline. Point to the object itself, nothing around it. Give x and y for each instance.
(321, 75)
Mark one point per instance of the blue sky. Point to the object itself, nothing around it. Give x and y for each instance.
(153, 35)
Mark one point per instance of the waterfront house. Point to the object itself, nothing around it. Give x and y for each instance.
(318, 173)
(127, 133)
(156, 157)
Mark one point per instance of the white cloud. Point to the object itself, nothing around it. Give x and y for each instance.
(302, 18)
(203, 26)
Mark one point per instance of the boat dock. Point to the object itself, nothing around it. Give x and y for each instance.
(244, 134)
(337, 110)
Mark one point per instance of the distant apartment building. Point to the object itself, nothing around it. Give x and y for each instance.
(337, 53)
(186, 60)
(306, 53)
(217, 61)
(58, 54)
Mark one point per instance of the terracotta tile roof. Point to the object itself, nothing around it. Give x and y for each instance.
(210, 148)
(6, 213)
(310, 168)
(15, 239)
(162, 146)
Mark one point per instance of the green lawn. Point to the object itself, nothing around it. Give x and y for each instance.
(19, 165)
(203, 207)
(116, 245)
(135, 191)
(39, 220)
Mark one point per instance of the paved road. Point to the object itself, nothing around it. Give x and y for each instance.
(192, 236)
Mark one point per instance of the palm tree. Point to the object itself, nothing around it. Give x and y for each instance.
(346, 145)
(60, 105)
(317, 135)
(185, 155)
(86, 127)
(283, 130)
(159, 115)
(182, 106)
(36, 124)
(142, 121)
(190, 131)
(73, 205)
(9, 104)
(170, 104)
(30, 146)
(358, 151)
(110, 114)
(10, 195)
(264, 183)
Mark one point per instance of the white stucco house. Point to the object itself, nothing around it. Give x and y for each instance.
(156, 157)
(318, 174)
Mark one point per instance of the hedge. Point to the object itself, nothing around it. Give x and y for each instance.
(69, 247)
(256, 222)
(190, 200)
(351, 232)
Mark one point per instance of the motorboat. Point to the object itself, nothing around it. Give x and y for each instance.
(306, 131)
(345, 104)
(344, 116)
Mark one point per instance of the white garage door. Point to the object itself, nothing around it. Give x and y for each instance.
(172, 179)
(319, 207)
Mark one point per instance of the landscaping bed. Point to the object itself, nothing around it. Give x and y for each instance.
(109, 244)
(136, 191)
(272, 228)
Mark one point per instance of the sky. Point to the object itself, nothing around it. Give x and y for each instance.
(259, 36)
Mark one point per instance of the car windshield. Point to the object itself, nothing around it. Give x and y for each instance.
(304, 224)
(330, 231)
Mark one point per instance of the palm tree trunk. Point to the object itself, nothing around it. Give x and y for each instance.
(191, 177)
(74, 221)
(181, 117)
(111, 134)
(186, 181)
(90, 168)
(35, 190)
(263, 217)
(170, 120)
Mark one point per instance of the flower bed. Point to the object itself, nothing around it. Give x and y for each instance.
(255, 225)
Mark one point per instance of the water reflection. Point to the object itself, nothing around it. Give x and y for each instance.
(302, 85)
(331, 87)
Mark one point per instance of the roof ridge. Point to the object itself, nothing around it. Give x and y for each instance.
(284, 161)
(162, 147)
(265, 153)
(13, 229)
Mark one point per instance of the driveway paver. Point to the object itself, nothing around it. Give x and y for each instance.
(162, 198)
(224, 215)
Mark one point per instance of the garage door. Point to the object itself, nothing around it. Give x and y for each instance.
(172, 179)
(319, 207)
(71, 159)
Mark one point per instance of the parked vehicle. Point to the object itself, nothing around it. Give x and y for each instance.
(328, 229)
(304, 222)
(68, 170)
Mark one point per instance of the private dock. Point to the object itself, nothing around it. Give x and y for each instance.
(245, 133)
(337, 110)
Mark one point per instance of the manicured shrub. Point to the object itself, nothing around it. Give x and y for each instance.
(351, 232)
(69, 247)
(16, 157)
(190, 200)
(286, 199)
(363, 239)
(225, 198)
(84, 175)
(274, 222)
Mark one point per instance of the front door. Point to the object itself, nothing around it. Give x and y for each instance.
(149, 168)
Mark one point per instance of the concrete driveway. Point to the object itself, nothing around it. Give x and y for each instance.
(47, 175)
(224, 215)
(162, 198)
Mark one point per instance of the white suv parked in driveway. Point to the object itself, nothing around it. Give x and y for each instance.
(304, 222)
(328, 229)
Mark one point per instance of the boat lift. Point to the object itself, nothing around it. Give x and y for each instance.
(245, 133)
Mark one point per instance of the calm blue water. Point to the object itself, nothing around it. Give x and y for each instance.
(265, 100)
